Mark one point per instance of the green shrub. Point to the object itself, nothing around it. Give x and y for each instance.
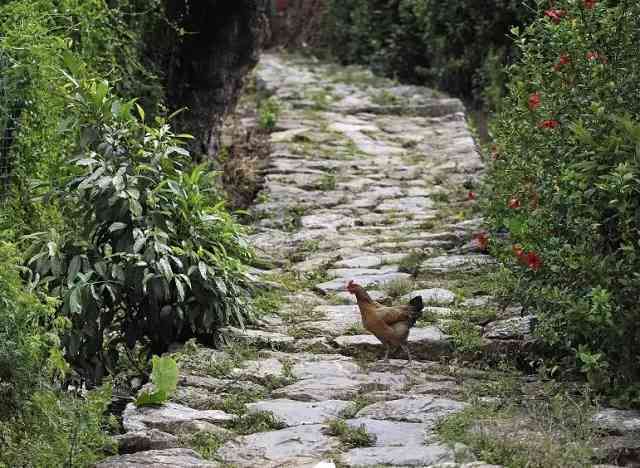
(39, 423)
(565, 182)
(268, 113)
(149, 254)
(458, 46)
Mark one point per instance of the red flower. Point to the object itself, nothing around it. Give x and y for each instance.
(534, 101)
(482, 240)
(593, 56)
(533, 261)
(514, 204)
(548, 124)
(564, 60)
(590, 4)
(555, 15)
(472, 196)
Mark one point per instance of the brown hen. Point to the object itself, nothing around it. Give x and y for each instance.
(390, 325)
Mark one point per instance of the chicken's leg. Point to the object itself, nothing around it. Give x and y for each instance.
(386, 354)
(405, 348)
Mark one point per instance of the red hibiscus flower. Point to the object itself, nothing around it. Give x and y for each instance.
(482, 240)
(514, 204)
(548, 124)
(564, 60)
(472, 196)
(555, 15)
(534, 101)
(533, 261)
(589, 4)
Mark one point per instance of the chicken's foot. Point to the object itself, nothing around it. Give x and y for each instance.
(405, 348)
(386, 355)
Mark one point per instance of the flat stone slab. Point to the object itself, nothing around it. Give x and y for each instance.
(434, 296)
(369, 261)
(617, 421)
(339, 366)
(258, 338)
(447, 263)
(169, 417)
(424, 343)
(338, 320)
(422, 456)
(428, 410)
(139, 441)
(408, 204)
(287, 135)
(509, 329)
(171, 458)
(292, 447)
(392, 433)
(348, 273)
(364, 280)
(298, 413)
(329, 388)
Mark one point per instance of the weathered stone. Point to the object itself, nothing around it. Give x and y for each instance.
(364, 280)
(617, 421)
(399, 456)
(139, 441)
(338, 319)
(428, 410)
(392, 433)
(260, 370)
(435, 296)
(407, 204)
(348, 273)
(298, 413)
(513, 328)
(170, 458)
(258, 338)
(287, 135)
(369, 261)
(351, 299)
(424, 343)
(334, 366)
(168, 417)
(457, 263)
(296, 446)
(329, 388)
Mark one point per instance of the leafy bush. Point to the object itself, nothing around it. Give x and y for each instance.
(39, 423)
(149, 254)
(565, 181)
(165, 380)
(268, 113)
(458, 46)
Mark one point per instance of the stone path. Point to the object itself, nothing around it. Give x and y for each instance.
(367, 181)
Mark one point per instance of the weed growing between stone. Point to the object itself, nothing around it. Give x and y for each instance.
(350, 436)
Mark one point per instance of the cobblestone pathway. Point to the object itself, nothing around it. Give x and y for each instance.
(367, 181)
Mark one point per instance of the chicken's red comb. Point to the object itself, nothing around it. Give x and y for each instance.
(351, 283)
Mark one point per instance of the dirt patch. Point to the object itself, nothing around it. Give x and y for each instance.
(242, 159)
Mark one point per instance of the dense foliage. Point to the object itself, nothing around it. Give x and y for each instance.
(113, 240)
(148, 253)
(457, 46)
(565, 181)
(39, 425)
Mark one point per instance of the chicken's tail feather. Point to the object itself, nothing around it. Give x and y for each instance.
(416, 309)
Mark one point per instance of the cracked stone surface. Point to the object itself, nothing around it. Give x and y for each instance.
(353, 190)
